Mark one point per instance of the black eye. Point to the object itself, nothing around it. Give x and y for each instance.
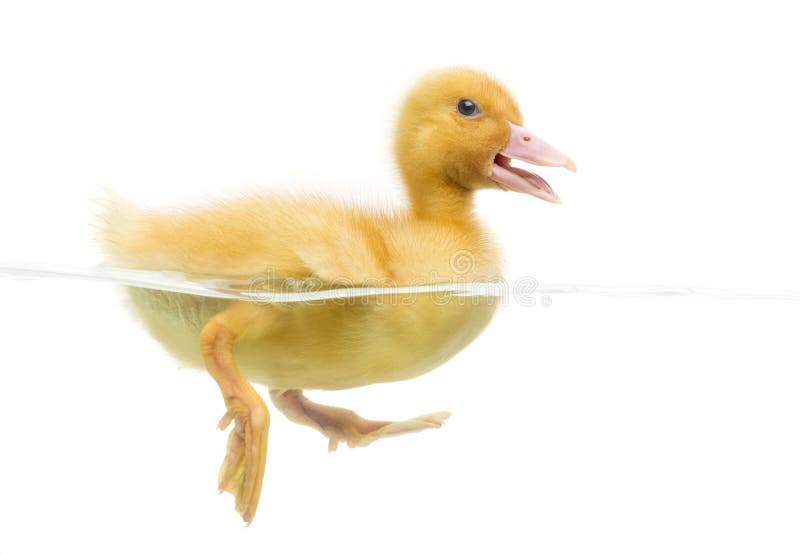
(466, 107)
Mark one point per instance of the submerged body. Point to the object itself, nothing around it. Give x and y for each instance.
(334, 344)
(457, 132)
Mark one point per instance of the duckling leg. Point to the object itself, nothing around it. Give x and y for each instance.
(338, 424)
(242, 471)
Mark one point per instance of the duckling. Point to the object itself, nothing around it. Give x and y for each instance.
(457, 131)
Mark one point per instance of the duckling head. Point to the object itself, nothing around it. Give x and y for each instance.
(457, 131)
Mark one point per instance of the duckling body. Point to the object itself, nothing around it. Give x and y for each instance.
(334, 344)
(457, 132)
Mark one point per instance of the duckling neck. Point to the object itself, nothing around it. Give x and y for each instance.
(440, 198)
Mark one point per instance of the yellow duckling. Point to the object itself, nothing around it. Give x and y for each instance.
(457, 131)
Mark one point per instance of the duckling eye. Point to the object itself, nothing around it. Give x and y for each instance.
(466, 107)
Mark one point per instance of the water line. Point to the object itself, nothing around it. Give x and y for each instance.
(252, 289)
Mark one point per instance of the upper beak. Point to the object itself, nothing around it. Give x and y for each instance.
(524, 145)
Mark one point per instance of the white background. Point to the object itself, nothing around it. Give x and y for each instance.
(597, 425)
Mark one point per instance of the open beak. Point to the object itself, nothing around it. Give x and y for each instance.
(524, 145)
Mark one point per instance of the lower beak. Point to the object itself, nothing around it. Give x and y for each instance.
(524, 145)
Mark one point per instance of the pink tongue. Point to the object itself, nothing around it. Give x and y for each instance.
(522, 181)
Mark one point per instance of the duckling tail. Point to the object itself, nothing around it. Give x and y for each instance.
(116, 221)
